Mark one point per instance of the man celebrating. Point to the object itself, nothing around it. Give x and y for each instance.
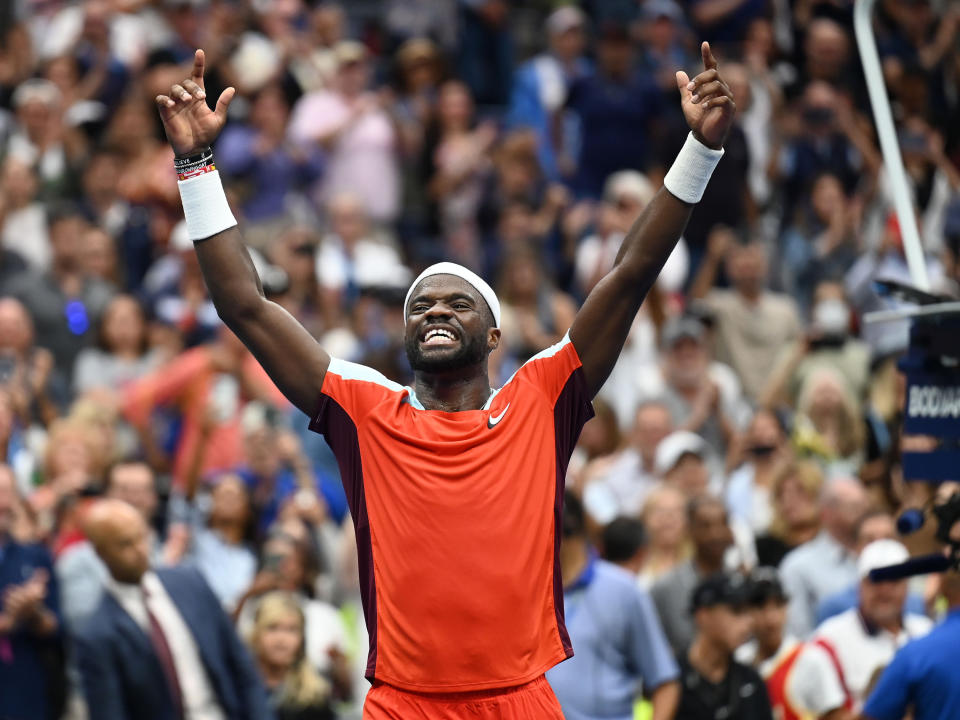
(456, 489)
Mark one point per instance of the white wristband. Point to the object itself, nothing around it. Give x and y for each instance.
(691, 171)
(205, 206)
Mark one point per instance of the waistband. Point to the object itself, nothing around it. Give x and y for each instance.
(468, 695)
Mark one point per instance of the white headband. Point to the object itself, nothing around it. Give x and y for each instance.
(479, 284)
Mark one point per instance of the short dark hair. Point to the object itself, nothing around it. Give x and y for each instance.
(695, 504)
(574, 518)
(112, 468)
(622, 538)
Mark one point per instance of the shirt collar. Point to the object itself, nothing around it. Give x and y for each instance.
(126, 592)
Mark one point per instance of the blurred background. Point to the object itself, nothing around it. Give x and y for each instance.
(372, 138)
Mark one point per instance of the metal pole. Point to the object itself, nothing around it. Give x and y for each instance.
(889, 145)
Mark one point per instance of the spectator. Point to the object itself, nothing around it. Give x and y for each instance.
(64, 303)
(23, 218)
(796, 493)
(836, 668)
(829, 423)
(828, 343)
(30, 632)
(159, 644)
(874, 525)
(772, 652)
(353, 258)
(297, 690)
(603, 605)
(749, 491)
(536, 314)
(714, 684)
(682, 462)
(218, 379)
(923, 675)
(827, 563)
(122, 354)
(216, 542)
(616, 107)
(348, 123)
(711, 536)
(623, 542)
(753, 324)
(485, 49)
(704, 397)
(823, 243)
(541, 85)
(457, 163)
(664, 518)
(259, 153)
(289, 564)
(622, 485)
(36, 390)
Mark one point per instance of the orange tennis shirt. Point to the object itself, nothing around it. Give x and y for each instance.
(458, 521)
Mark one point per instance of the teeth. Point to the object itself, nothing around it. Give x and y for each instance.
(440, 332)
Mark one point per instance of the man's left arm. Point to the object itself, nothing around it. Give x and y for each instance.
(601, 327)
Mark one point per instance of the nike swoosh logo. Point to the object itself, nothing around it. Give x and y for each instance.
(494, 419)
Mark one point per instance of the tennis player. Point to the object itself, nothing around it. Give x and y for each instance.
(456, 489)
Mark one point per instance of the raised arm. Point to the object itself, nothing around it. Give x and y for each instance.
(602, 325)
(289, 354)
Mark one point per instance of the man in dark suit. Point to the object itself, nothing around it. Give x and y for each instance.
(159, 646)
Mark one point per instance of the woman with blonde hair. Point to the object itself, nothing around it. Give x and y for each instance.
(829, 425)
(298, 691)
(795, 492)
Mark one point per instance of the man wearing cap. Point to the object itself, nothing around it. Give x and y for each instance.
(925, 674)
(456, 489)
(836, 668)
(772, 651)
(714, 685)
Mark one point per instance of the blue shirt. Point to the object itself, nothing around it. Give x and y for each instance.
(617, 643)
(23, 677)
(925, 674)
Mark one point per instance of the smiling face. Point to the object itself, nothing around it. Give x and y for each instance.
(449, 326)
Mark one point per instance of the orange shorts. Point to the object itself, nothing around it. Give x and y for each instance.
(532, 701)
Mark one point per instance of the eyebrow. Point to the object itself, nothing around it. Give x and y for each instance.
(450, 297)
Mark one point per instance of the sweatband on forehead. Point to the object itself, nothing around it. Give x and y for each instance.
(478, 283)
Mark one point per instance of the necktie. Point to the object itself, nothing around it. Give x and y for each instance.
(160, 646)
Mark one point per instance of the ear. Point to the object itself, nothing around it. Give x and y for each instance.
(493, 339)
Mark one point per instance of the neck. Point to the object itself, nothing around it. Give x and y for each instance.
(466, 389)
(231, 531)
(573, 559)
(273, 675)
(708, 659)
(707, 565)
(751, 295)
(765, 652)
(843, 538)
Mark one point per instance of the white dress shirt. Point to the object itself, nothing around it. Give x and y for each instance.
(199, 700)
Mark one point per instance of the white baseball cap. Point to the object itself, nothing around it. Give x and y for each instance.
(674, 446)
(881, 553)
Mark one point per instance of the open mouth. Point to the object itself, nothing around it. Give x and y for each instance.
(438, 337)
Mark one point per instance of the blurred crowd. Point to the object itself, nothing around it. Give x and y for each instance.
(743, 467)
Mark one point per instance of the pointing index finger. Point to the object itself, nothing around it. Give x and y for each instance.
(709, 61)
(197, 74)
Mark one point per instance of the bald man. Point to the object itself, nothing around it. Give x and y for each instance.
(159, 646)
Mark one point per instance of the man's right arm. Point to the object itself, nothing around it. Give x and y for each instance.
(289, 354)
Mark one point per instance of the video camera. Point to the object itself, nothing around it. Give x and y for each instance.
(932, 369)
